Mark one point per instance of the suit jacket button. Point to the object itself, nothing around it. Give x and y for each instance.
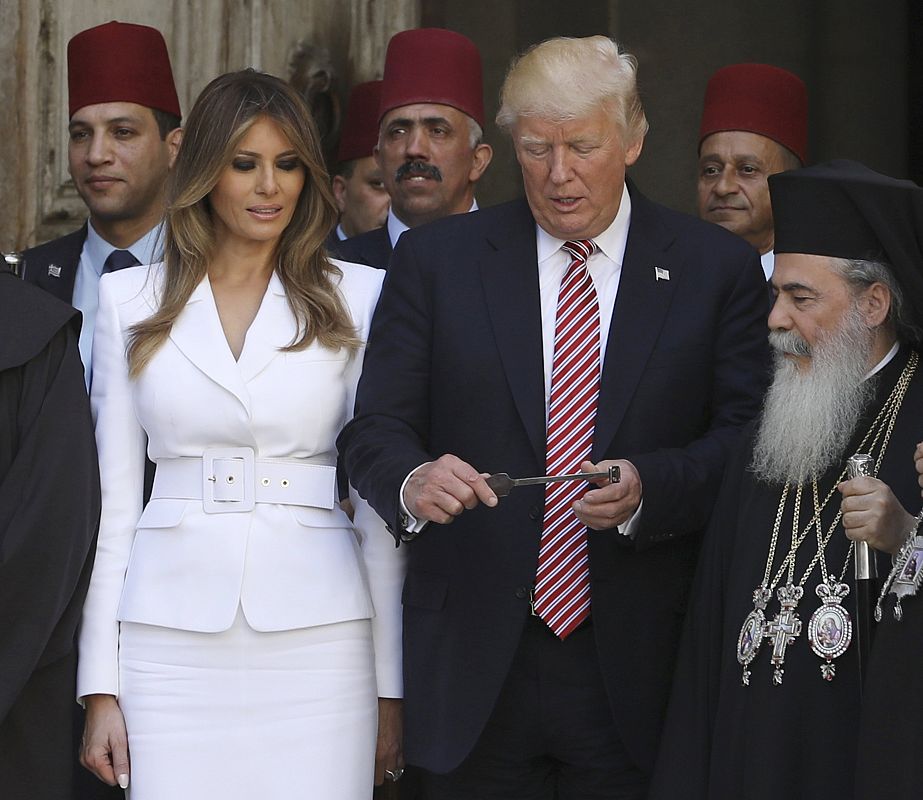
(522, 592)
(535, 513)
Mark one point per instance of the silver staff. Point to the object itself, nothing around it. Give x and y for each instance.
(866, 572)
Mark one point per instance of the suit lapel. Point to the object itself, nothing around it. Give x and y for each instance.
(53, 266)
(379, 249)
(271, 329)
(510, 279)
(372, 248)
(640, 310)
(197, 332)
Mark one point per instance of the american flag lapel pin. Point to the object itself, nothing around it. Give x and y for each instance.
(661, 274)
(54, 271)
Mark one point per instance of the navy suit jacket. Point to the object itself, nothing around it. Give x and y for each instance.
(53, 265)
(372, 248)
(454, 365)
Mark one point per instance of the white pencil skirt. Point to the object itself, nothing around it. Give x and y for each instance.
(247, 715)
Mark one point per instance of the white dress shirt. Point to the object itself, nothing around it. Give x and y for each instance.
(768, 263)
(605, 268)
(148, 249)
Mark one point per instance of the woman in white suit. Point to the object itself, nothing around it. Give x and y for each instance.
(241, 629)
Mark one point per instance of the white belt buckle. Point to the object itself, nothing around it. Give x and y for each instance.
(228, 483)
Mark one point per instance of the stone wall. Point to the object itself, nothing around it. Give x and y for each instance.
(205, 38)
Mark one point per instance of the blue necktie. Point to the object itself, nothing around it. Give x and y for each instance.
(119, 259)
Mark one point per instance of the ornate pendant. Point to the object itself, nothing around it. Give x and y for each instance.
(908, 573)
(830, 628)
(784, 628)
(752, 632)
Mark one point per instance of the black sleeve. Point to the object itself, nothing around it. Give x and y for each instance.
(388, 436)
(49, 509)
(683, 763)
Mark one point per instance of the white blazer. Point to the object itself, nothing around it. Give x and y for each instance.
(175, 565)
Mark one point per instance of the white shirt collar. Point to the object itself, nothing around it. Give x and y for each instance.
(611, 242)
(768, 261)
(885, 361)
(396, 227)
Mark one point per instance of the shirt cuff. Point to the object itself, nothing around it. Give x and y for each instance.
(410, 523)
(630, 526)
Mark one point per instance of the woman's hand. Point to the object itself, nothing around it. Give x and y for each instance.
(105, 741)
(388, 754)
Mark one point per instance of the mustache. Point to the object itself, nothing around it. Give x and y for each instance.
(417, 168)
(789, 343)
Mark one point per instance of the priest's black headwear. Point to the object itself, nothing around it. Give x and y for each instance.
(846, 210)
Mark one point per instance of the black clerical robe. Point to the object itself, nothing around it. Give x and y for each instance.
(796, 740)
(890, 759)
(49, 512)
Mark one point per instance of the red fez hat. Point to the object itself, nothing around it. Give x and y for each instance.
(758, 98)
(120, 63)
(433, 65)
(359, 134)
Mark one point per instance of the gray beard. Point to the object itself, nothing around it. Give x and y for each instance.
(809, 418)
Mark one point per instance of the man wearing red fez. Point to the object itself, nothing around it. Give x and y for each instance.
(581, 331)
(358, 189)
(124, 134)
(754, 124)
(429, 147)
(769, 688)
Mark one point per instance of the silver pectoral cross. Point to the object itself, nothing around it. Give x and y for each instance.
(784, 628)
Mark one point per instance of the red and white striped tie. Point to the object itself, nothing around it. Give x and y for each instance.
(562, 581)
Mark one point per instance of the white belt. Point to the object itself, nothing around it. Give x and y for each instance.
(228, 479)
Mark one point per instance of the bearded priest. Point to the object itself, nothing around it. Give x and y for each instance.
(766, 696)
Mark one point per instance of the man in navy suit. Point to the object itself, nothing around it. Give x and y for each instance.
(429, 149)
(124, 134)
(463, 377)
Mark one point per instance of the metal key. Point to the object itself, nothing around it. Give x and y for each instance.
(502, 484)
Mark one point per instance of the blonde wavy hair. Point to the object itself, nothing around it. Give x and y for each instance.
(220, 118)
(563, 79)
